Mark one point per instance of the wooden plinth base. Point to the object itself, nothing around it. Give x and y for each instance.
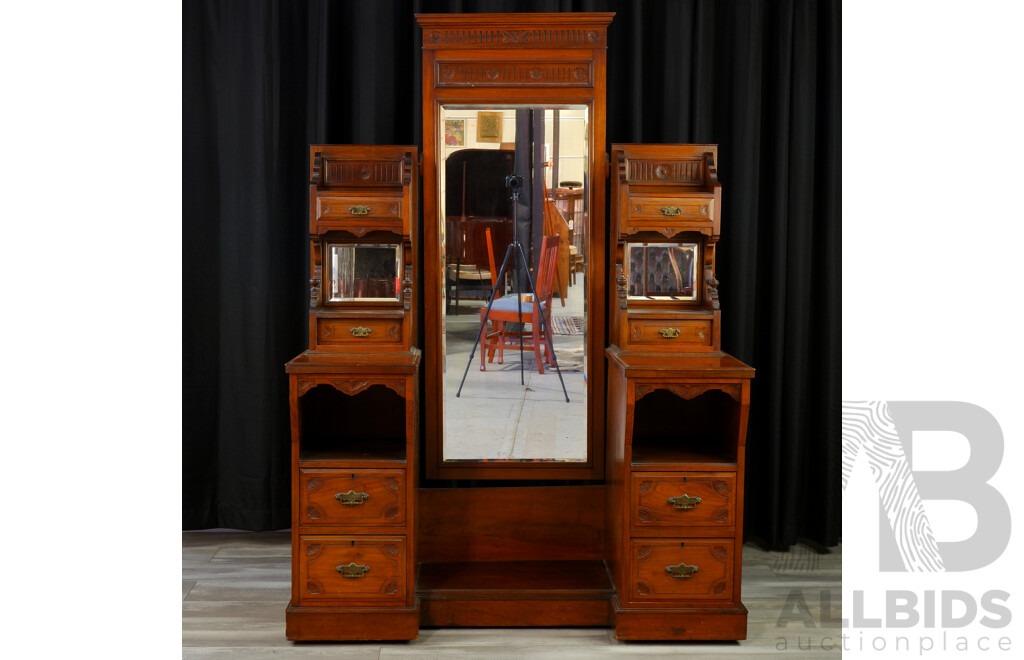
(515, 594)
(679, 624)
(321, 624)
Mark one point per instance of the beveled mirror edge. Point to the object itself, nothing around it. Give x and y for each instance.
(456, 38)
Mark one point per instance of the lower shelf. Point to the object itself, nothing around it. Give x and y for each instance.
(514, 594)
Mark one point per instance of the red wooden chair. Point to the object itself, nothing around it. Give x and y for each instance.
(507, 309)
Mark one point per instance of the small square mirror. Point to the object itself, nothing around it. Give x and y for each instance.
(661, 271)
(364, 272)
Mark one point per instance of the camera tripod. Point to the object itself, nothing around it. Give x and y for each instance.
(515, 248)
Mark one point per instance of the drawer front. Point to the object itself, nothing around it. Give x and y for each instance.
(669, 333)
(668, 214)
(705, 499)
(681, 569)
(352, 570)
(357, 332)
(360, 214)
(352, 497)
(359, 208)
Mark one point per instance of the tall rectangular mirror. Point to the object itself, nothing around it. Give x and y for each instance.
(515, 246)
(512, 195)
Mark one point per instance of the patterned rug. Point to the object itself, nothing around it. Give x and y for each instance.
(567, 325)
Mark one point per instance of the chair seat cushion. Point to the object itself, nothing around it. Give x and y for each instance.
(508, 304)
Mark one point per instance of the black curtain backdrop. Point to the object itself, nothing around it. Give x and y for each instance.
(263, 79)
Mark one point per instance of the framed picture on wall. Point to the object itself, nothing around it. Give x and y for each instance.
(488, 127)
(455, 132)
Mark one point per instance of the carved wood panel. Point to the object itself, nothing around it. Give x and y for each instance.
(514, 38)
(688, 390)
(562, 73)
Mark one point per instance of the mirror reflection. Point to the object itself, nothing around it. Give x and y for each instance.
(514, 200)
(363, 272)
(661, 271)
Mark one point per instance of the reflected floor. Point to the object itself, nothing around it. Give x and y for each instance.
(498, 416)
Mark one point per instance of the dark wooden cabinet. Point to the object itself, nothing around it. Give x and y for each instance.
(677, 405)
(648, 540)
(354, 403)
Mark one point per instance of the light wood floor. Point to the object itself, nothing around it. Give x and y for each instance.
(235, 587)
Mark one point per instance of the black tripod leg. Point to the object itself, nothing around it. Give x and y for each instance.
(544, 329)
(483, 321)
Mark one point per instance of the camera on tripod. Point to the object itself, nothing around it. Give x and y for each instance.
(514, 182)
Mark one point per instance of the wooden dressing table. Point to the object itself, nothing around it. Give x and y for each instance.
(642, 531)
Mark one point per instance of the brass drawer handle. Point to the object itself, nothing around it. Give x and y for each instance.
(671, 210)
(669, 333)
(353, 570)
(359, 210)
(684, 501)
(352, 498)
(682, 571)
(361, 332)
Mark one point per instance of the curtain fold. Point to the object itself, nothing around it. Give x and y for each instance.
(264, 79)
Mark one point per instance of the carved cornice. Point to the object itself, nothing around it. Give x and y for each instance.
(515, 37)
(561, 73)
(688, 390)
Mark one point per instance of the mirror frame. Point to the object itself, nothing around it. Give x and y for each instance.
(504, 60)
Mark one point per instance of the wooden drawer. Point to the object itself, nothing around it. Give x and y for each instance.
(359, 214)
(668, 333)
(697, 499)
(681, 569)
(668, 215)
(352, 570)
(352, 497)
(355, 332)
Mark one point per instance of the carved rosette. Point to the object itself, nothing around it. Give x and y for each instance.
(719, 553)
(720, 487)
(721, 515)
(390, 550)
